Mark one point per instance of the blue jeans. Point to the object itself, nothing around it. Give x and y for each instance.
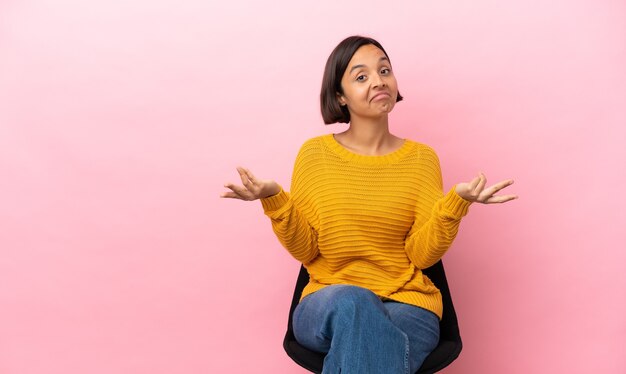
(362, 334)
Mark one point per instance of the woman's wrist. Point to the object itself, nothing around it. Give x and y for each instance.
(272, 189)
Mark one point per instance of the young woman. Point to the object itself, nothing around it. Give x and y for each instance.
(365, 214)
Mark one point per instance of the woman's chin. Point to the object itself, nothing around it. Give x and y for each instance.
(386, 108)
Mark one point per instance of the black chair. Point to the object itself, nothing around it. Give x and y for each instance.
(447, 350)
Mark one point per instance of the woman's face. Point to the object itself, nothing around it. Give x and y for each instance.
(369, 86)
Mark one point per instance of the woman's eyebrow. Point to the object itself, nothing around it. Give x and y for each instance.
(357, 67)
(384, 58)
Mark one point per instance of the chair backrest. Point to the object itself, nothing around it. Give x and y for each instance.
(447, 350)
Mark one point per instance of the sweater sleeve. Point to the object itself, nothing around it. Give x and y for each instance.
(437, 217)
(290, 225)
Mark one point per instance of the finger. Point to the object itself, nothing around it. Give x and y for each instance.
(472, 185)
(250, 176)
(230, 195)
(501, 199)
(244, 178)
(491, 190)
(481, 184)
(241, 191)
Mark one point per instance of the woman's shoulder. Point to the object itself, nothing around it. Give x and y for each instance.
(421, 149)
(311, 149)
(314, 141)
(314, 144)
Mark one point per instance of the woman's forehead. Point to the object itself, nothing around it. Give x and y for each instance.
(367, 53)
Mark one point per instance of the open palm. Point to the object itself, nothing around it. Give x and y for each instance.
(475, 191)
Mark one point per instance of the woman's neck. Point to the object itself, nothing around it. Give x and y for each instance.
(369, 136)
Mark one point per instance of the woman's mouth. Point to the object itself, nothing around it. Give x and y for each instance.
(381, 96)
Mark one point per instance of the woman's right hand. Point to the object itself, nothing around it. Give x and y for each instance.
(252, 188)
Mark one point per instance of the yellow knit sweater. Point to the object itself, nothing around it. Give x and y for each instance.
(369, 221)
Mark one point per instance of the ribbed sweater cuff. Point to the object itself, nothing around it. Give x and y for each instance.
(455, 205)
(275, 202)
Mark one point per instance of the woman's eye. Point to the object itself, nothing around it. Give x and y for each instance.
(385, 71)
(360, 78)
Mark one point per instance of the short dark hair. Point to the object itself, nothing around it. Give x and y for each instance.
(336, 65)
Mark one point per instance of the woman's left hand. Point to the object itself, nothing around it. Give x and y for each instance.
(475, 191)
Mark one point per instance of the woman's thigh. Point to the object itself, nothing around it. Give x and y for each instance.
(319, 313)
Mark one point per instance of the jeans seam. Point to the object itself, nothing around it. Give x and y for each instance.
(406, 353)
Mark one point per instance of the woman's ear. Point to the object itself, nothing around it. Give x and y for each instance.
(341, 99)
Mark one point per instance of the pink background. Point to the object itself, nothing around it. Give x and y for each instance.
(121, 120)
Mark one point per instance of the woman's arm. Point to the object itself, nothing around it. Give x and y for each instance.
(437, 217)
(429, 240)
(291, 227)
(432, 234)
(289, 224)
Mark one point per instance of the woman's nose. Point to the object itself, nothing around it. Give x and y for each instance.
(379, 81)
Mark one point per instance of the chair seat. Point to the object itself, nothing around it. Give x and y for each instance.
(313, 361)
(448, 349)
(308, 359)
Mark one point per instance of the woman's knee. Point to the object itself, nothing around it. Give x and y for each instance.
(351, 299)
